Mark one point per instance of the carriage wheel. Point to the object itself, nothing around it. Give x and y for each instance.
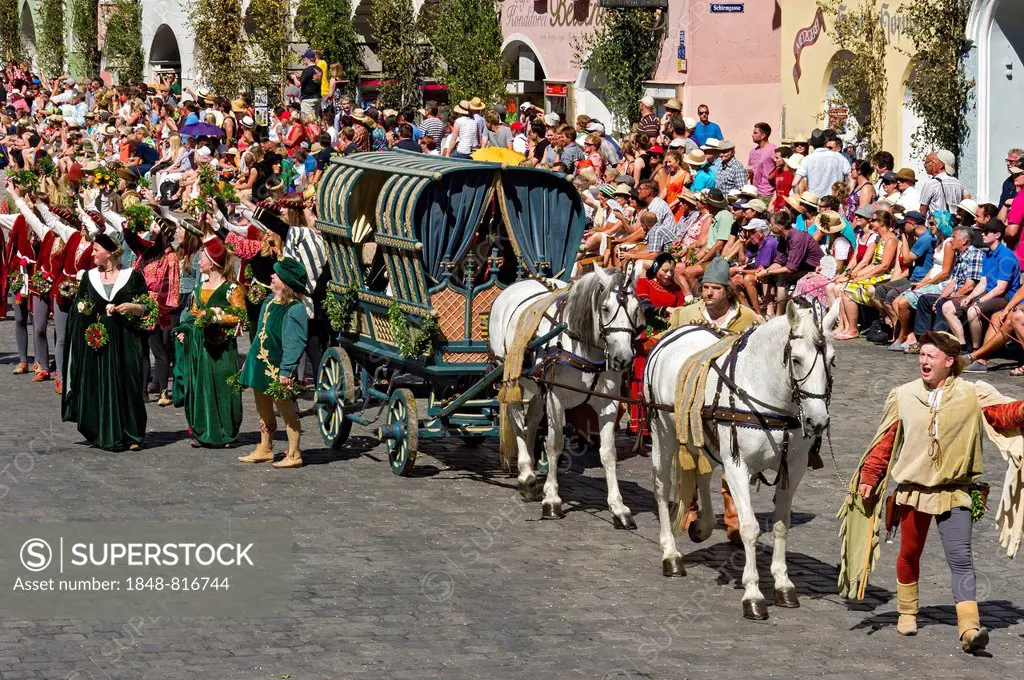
(401, 431)
(335, 389)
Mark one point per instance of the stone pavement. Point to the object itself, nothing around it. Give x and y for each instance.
(448, 574)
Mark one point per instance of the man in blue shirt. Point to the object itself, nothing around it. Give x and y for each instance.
(1000, 279)
(705, 129)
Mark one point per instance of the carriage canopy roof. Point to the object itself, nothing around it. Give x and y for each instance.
(441, 202)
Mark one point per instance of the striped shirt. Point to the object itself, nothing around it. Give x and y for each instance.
(433, 127)
(941, 192)
(307, 246)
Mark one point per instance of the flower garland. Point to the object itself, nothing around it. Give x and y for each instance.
(256, 293)
(138, 218)
(46, 166)
(15, 281)
(150, 316)
(68, 289)
(234, 382)
(339, 312)
(26, 179)
(96, 336)
(104, 179)
(411, 345)
(977, 505)
(41, 283)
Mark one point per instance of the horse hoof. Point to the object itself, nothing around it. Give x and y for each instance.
(755, 610)
(673, 567)
(625, 522)
(786, 597)
(693, 531)
(551, 511)
(530, 489)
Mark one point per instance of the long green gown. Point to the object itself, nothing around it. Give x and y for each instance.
(103, 389)
(280, 341)
(213, 410)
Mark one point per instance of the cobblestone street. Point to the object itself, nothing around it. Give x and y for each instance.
(449, 574)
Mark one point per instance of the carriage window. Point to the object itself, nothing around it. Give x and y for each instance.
(377, 273)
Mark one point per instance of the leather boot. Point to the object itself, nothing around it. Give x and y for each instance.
(973, 638)
(730, 517)
(907, 604)
(293, 457)
(264, 452)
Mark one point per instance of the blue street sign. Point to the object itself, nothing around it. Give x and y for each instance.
(726, 7)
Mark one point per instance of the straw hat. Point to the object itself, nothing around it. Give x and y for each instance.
(830, 222)
(238, 106)
(794, 161)
(688, 196)
(749, 190)
(477, 104)
(808, 198)
(711, 144)
(130, 198)
(622, 190)
(462, 108)
(695, 157)
(360, 115)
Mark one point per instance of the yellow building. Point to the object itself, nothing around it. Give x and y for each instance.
(809, 60)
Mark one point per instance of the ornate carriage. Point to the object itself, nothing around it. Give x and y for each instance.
(420, 246)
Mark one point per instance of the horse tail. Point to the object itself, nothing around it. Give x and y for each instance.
(507, 433)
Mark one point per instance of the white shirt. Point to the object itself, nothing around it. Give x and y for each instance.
(519, 143)
(909, 199)
(724, 323)
(823, 168)
(467, 134)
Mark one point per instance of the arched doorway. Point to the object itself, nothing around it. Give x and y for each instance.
(28, 33)
(999, 34)
(526, 71)
(840, 88)
(590, 98)
(164, 55)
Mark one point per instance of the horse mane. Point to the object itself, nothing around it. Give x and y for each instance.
(581, 305)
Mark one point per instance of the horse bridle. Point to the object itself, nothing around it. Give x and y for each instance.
(798, 393)
(622, 305)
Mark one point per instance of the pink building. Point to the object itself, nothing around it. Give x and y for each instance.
(732, 59)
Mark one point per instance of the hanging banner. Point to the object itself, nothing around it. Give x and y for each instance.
(806, 37)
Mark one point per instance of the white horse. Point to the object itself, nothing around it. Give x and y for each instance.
(784, 369)
(602, 320)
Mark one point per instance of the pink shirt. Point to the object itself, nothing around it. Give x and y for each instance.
(1015, 216)
(762, 161)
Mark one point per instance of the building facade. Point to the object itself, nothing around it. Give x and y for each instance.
(725, 55)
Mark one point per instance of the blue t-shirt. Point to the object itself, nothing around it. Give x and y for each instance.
(802, 224)
(705, 132)
(310, 164)
(924, 248)
(703, 179)
(1001, 265)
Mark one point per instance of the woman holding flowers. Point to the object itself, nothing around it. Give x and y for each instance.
(106, 341)
(209, 353)
(270, 368)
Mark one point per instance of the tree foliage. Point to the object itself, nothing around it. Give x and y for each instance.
(940, 91)
(267, 37)
(52, 50)
(623, 51)
(860, 78)
(405, 56)
(124, 41)
(85, 32)
(10, 38)
(326, 25)
(220, 51)
(466, 35)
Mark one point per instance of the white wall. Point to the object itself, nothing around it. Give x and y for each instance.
(172, 13)
(1006, 90)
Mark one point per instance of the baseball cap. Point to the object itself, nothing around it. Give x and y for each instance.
(757, 224)
(552, 119)
(516, 126)
(594, 126)
(994, 227)
(308, 54)
(647, 100)
(657, 149)
(1018, 167)
(914, 216)
(889, 177)
(757, 205)
(865, 211)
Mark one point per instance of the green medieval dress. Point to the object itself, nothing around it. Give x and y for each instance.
(103, 389)
(278, 345)
(209, 357)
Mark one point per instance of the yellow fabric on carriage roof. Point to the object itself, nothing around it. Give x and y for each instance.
(511, 391)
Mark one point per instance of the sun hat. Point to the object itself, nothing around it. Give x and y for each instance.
(757, 224)
(808, 198)
(674, 105)
(238, 105)
(552, 119)
(292, 274)
(711, 144)
(968, 205)
(477, 104)
(714, 198)
(749, 190)
(725, 145)
(647, 100)
(247, 121)
(907, 175)
(757, 205)
(865, 211)
(462, 108)
(1017, 168)
(717, 272)
(688, 196)
(830, 222)
(690, 123)
(360, 115)
(622, 190)
(695, 157)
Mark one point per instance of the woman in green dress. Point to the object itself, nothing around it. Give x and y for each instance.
(209, 351)
(103, 356)
(273, 359)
